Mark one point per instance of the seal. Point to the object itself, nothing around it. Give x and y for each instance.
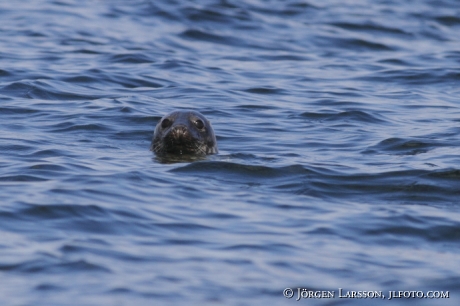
(184, 132)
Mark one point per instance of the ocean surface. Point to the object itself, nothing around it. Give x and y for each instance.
(338, 126)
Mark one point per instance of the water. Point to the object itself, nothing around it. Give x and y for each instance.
(338, 125)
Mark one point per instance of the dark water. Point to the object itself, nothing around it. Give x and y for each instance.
(338, 124)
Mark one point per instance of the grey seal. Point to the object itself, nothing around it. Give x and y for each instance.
(184, 132)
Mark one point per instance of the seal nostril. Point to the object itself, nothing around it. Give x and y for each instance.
(180, 130)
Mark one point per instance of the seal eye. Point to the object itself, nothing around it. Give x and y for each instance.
(165, 123)
(199, 124)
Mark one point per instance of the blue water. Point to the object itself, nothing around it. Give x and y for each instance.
(338, 125)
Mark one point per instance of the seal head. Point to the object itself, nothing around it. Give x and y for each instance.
(184, 132)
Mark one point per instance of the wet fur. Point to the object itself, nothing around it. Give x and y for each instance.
(181, 135)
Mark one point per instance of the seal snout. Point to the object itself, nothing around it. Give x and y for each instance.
(179, 131)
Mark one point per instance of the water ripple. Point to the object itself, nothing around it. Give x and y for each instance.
(338, 129)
